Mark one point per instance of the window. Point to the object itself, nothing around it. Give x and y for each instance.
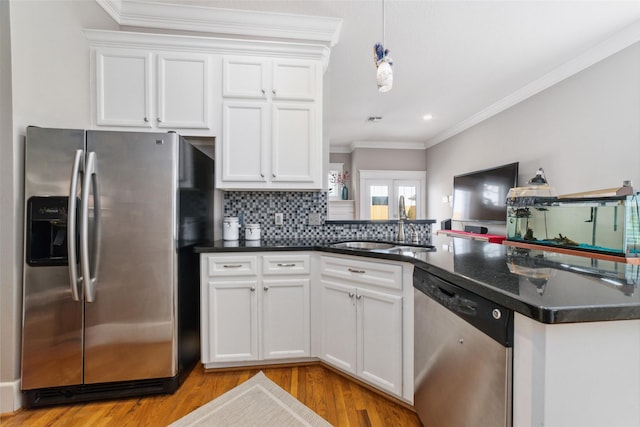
(381, 191)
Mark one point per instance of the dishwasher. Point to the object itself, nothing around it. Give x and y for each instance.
(463, 356)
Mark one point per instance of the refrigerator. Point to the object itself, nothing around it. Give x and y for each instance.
(110, 282)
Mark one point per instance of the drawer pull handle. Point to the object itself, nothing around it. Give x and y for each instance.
(353, 270)
(280, 264)
(232, 265)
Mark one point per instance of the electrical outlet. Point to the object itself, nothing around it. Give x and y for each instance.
(314, 219)
(278, 218)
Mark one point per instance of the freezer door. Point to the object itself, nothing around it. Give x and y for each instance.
(52, 320)
(131, 324)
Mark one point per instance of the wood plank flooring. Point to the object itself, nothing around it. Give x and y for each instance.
(334, 397)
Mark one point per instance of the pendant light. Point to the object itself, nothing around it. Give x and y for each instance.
(384, 72)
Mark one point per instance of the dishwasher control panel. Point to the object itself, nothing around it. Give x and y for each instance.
(491, 318)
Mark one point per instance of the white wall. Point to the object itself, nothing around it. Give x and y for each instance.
(584, 132)
(48, 68)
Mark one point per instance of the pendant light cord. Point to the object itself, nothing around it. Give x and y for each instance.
(383, 25)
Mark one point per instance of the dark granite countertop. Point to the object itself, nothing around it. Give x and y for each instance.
(545, 286)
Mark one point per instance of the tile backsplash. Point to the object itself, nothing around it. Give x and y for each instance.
(260, 207)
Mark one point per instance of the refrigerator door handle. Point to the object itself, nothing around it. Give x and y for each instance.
(89, 262)
(71, 226)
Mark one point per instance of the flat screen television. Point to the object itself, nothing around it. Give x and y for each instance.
(481, 196)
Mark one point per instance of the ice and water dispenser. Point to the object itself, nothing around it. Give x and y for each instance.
(47, 231)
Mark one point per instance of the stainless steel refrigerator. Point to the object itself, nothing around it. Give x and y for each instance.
(111, 290)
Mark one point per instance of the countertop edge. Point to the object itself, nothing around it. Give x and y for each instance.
(546, 315)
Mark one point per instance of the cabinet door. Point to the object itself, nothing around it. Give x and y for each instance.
(338, 323)
(294, 79)
(380, 339)
(294, 147)
(232, 321)
(243, 141)
(123, 87)
(183, 91)
(245, 77)
(285, 318)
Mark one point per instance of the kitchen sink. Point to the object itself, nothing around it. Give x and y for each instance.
(414, 249)
(363, 245)
(384, 247)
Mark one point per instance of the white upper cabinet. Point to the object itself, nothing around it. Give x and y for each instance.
(184, 82)
(123, 88)
(261, 78)
(149, 89)
(244, 123)
(244, 77)
(272, 133)
(261, 99)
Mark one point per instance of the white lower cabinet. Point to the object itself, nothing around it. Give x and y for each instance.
(285, 318)
(251, 313)
(232, 324)
(353, 314)
(362, 320)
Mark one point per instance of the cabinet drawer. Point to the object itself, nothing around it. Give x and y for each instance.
(285, 264)
(363, 272)
(232, 265)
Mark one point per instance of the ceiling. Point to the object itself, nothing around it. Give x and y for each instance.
(460, 61)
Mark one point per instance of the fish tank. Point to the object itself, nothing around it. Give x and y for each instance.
(605, 225)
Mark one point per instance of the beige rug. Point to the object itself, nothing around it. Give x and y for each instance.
(256, 402)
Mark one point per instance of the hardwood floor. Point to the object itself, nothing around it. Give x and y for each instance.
(337, 399)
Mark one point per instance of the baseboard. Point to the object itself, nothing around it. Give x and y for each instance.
(10, 396)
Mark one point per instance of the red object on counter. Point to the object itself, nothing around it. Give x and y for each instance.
(491, 238)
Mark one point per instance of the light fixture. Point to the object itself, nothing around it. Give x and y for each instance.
(384, 72)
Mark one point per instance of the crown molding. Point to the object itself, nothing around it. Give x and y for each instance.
(610, 46)
(386, 145)
(246, 23)
(389, 145)
(124, 39)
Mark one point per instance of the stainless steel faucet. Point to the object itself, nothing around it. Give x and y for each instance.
(413, 234)
(402, 215)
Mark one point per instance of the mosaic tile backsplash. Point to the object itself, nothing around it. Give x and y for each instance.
(260, 207)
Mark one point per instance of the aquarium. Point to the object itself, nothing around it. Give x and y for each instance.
(607, 225)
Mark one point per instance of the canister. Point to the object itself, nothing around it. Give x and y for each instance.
(252, 232)
(230, 228)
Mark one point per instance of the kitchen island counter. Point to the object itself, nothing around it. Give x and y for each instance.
(544, 286)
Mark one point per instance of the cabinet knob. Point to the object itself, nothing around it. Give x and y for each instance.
(146, 120)
(351, 294)
(273, 175)
(358, 296)
(273, 91)
(253, 289)
(261, 175)
(266, 288)
(158, 119)
(264, 92)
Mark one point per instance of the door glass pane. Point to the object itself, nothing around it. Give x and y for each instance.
(379, 202)
(409, 193)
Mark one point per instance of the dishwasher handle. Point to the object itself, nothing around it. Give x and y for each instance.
(483, 314)
(453, 300)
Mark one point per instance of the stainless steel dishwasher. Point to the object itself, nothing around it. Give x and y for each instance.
(463, 356)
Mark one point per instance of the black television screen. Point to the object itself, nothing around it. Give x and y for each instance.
(481, 195)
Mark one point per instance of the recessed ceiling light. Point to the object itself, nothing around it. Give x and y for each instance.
(374, 119)
(427, 117)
